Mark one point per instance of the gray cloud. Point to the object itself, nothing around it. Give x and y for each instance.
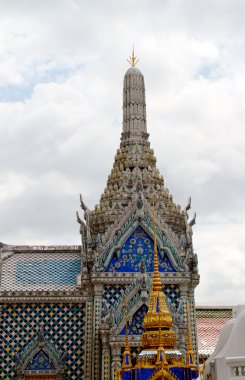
(61, 70)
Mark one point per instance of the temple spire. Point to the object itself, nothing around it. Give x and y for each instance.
(158, 316)
(134, 107)
(156, 282)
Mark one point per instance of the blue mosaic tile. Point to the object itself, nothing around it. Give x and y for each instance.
(111, 294)
(137, 247)
(47, 272)
(40, 362)
(172, 291)
(136, 326)
(63, 325)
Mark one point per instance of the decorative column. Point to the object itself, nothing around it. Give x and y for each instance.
(98, 291)
(106, 354)
(193, 331)
(183, 327)
(89, 339)
(115, 360)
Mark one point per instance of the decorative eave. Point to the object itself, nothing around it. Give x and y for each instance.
(44, 296)
(127, 277)
(39, 248)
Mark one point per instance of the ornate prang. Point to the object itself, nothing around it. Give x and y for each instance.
(123, 251)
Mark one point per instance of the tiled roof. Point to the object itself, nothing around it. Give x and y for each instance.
(43, 269)
(209, 324)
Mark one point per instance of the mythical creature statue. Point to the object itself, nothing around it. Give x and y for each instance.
(83, 232)
(193, 220)
(87, 213)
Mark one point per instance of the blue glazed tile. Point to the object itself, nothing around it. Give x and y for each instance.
(139, 246)
(47, 272)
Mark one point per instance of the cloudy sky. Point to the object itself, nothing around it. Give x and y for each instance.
(61, 70)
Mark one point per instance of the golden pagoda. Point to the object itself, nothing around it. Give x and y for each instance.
(158, 321)
(159, 358)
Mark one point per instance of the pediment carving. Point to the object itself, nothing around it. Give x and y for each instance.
(113, 239)
(41, 357)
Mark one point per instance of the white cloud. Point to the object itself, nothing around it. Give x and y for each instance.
(61, 73)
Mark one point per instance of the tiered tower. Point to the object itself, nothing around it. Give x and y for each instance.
(80, 295)
(134, 167)
(120, 249)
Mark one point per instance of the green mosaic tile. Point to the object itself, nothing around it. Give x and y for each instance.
(172, 291)
(63, 324)
(111, 294)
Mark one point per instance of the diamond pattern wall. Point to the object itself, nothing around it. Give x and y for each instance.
(111, 294)
(63, 324)
(172, 291)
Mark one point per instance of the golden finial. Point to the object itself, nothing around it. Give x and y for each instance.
(127, 361)
(158, 315)
(126, 333)
(133, 60)
(156, 283)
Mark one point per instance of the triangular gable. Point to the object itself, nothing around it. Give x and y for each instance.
(40, 362)
(136, 325)
(40, 356)
(138, 248)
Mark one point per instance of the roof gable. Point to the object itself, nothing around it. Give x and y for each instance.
(136, 251)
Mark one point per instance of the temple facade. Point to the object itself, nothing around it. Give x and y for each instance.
(67, 311)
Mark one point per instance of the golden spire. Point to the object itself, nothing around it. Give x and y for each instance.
(190, 360)
(158, 315)
(127, 361)
(126, 334)
(156, 282)
(161, 356)
(133, 60)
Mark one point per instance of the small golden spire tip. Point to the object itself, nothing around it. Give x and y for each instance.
(133, 60)
(127, 360)
(156, 283)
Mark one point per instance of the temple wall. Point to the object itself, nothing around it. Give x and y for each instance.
(63, 324)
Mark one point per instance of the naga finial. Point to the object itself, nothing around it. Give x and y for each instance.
(133, 60)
